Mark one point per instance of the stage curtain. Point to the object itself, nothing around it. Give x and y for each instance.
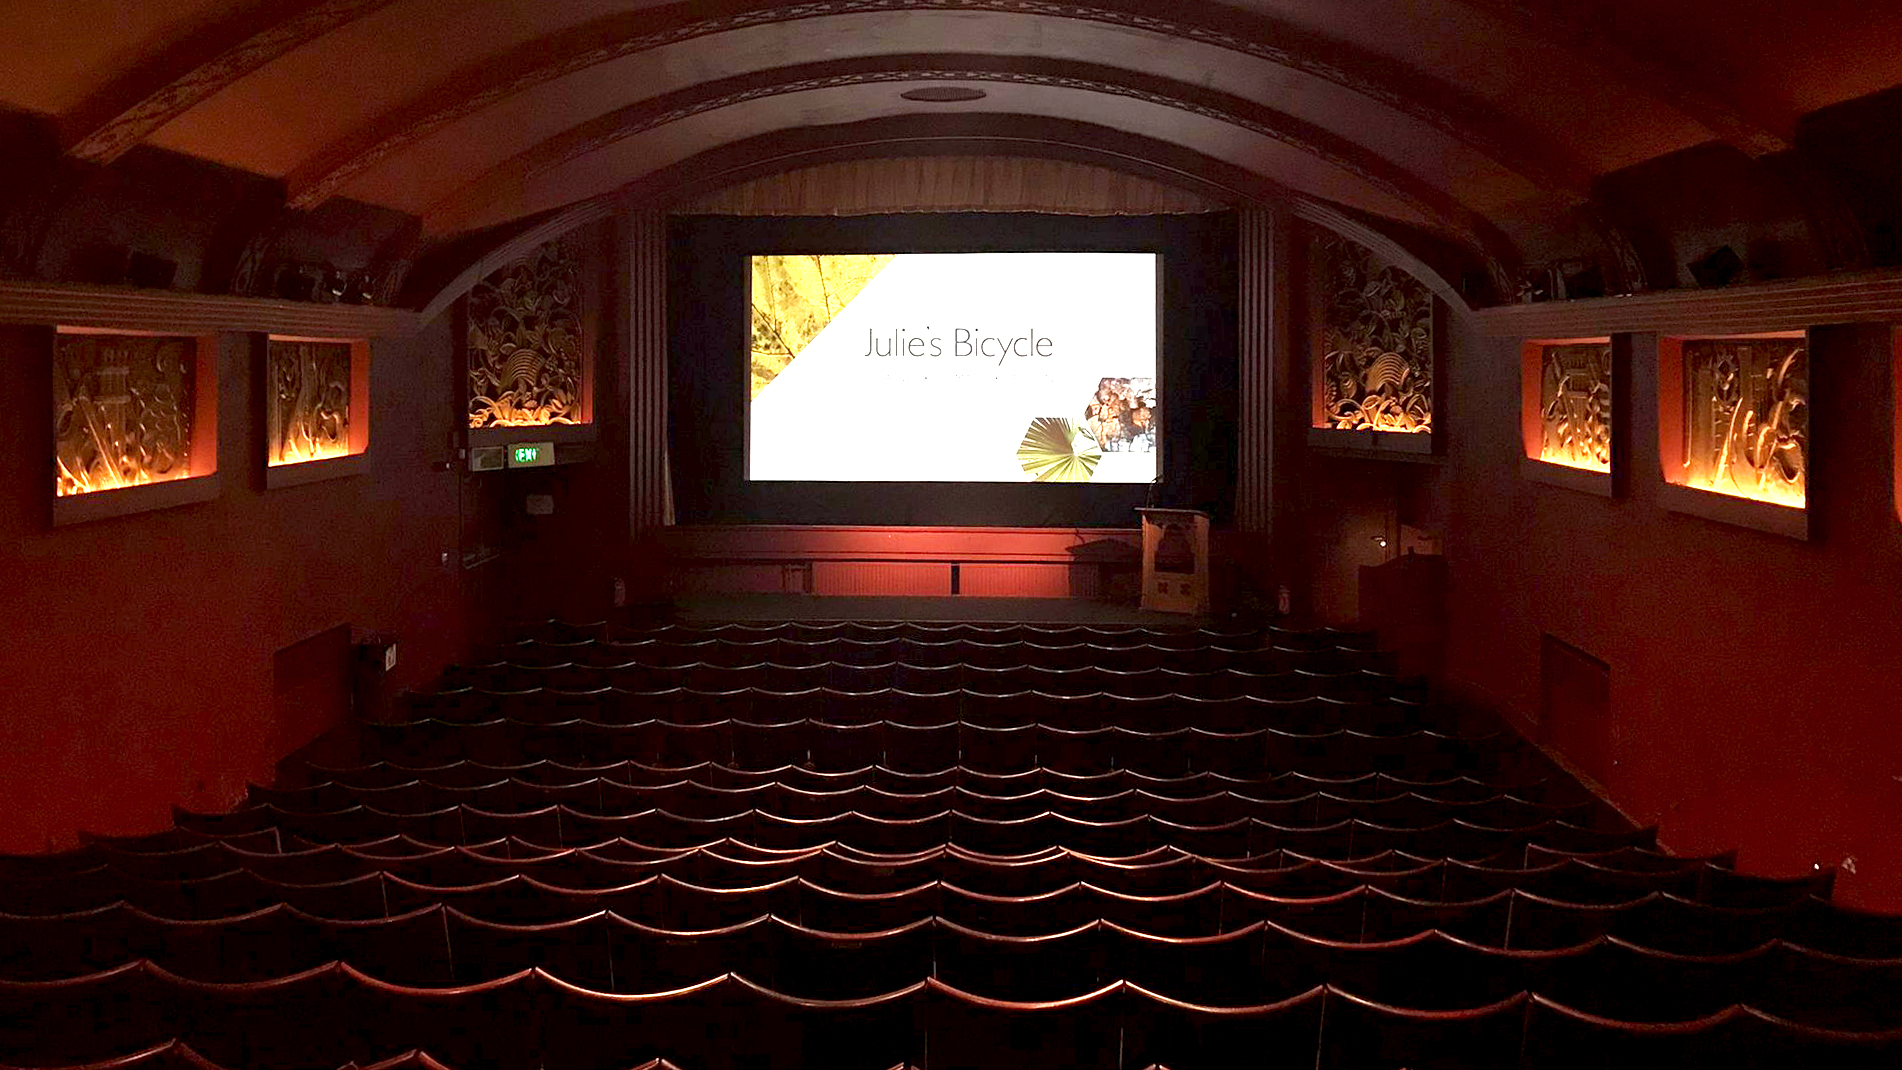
(951, 184)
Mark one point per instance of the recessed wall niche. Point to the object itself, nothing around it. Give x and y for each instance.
(1375, 351)
(316, 408)
(529, 362)
(135, 422)
(1566, 412)
(1733, 429)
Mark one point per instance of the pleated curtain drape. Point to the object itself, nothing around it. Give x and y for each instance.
(950, 184)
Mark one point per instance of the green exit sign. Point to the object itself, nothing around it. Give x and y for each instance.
(531, 454)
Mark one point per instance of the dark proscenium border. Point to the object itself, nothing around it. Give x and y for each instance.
(708, 340)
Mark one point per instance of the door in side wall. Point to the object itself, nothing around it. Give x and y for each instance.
(1575, 706)
(310, 689)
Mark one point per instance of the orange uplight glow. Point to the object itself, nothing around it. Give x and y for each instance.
(317, 399)
(320, 451)
(1566, 402)
(1566, 460)
(1733, 416)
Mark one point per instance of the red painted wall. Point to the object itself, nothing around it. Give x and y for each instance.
(1754, 679)
(138, 660)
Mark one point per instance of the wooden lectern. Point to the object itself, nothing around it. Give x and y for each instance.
(1175, 560)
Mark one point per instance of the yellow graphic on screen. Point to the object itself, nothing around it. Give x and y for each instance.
(1054, 450)
(795, 297)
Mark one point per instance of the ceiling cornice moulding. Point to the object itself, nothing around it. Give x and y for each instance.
(72, 305)
(1387, 176)
(1391, 84)
(1795, 304)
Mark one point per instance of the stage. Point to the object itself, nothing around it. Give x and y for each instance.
(1058, 611)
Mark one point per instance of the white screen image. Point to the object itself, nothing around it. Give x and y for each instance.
(954, 367)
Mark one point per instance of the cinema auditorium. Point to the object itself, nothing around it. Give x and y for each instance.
(951, 534)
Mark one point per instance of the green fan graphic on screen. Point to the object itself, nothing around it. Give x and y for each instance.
(1049, 452)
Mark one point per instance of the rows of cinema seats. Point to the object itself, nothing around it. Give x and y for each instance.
(868, 846)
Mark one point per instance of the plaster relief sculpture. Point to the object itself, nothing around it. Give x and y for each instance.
(1575, 405)
(1377, 342)
(525, 354)
(1746, 418)
(122, 410)
(308, 410)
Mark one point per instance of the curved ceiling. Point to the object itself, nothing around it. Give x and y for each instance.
(1488, 122)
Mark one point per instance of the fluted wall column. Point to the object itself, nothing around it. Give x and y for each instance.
(650, 489)
(1260, 311)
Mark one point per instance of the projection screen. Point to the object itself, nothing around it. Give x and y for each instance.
(954, 367)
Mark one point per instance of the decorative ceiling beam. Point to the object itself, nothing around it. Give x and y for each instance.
(436, 283)
(1430, 202)
(130, 108)
(490, 80)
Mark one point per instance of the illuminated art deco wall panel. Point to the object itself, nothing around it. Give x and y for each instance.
(528, 363)
(316, 407)
(1566, 416)
(1375, 363)
(133, 414)
(124, 410)
(307, 401)
(1742, 417)
(1575, 405)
